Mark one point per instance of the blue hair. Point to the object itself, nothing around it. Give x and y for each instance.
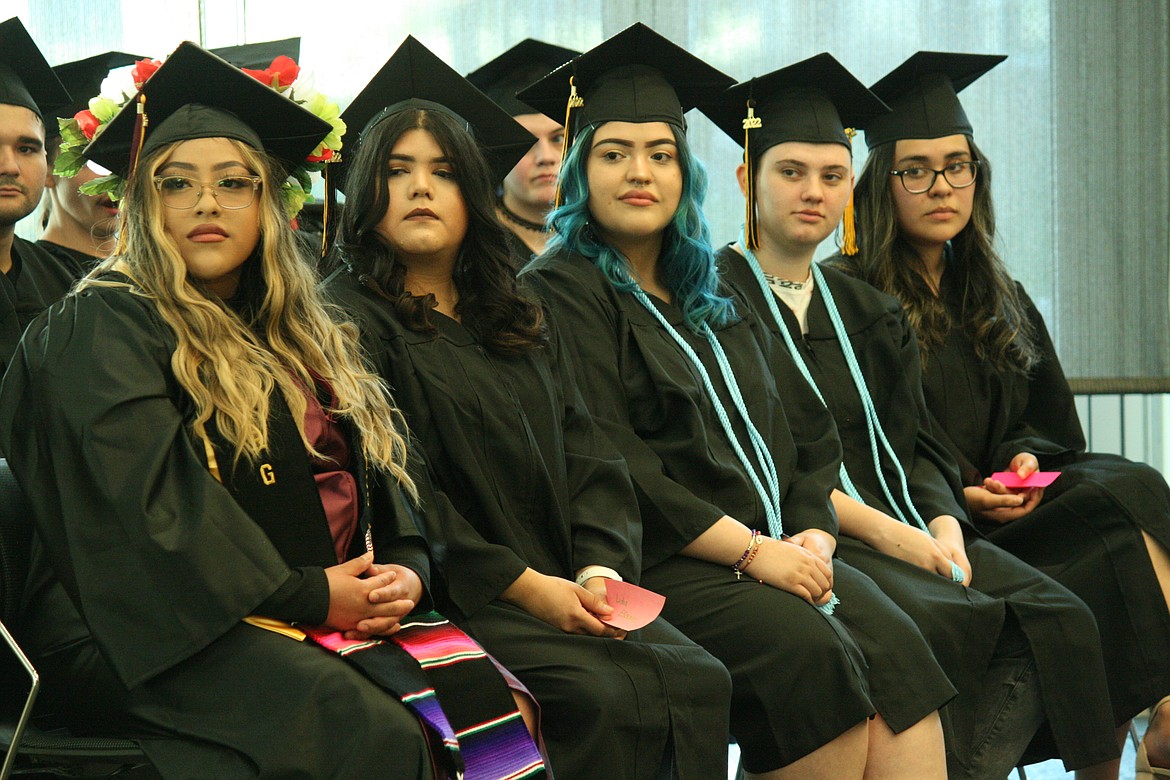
(687, 265)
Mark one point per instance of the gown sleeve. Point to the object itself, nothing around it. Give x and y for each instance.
(813, 431)
(595, 331)
(933, 477)
(604, 518)
(1048, 426)
(155, 553)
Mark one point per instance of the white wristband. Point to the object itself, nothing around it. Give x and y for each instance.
(597, 571)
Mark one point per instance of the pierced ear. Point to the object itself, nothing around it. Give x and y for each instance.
(741, 177)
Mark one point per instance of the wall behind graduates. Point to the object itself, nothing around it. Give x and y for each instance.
(1076, 121)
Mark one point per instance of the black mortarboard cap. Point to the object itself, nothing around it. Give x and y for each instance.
(515, 69)
(197, 95)
(414, 77)
(812, 101)
(25, 76)
(83, 78)
(922, 94)
(635, 76)
(258, 56)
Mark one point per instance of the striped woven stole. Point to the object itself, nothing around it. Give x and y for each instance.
(452, 686)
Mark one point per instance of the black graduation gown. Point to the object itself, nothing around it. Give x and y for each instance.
(525, 479)
(799, 677)
(147, 564)
(963, 625)
(35, 280)
(1086, 531)
(77, 263)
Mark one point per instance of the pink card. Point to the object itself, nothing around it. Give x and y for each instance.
(633, 607)
(1037, 479)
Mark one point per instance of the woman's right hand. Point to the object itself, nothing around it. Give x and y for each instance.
(792, 568)
(992, 501)
(560, 603)
(354, 598)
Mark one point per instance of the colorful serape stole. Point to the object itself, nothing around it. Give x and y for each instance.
(449, 682)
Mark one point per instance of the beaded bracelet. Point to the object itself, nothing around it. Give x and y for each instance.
(749, 554)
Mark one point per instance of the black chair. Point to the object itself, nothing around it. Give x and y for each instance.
(37, 751)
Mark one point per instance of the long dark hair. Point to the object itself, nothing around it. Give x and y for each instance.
(491, 303)
(992, 310)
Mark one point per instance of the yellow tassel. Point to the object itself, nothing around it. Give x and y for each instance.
(849, 226)
(575, 101)
(751, 122)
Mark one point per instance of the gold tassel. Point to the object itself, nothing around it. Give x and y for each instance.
(751, 122)
(139, 138)
(575, 101)
(849, 226)
(212, 461)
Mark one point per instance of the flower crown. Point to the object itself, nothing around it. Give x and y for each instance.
(282, 75)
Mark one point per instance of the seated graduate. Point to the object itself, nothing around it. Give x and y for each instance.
(79, 229)
(225, 467)
(994, 386)
(30, 94)
(537, 513)
(1017, 645)
(529, 188)
(678, 375)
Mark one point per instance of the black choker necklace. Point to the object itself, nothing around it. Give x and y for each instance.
(787, 284)
(527, 224)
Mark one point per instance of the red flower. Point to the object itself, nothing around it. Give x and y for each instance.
(143, 70)
(286, 70)
(87, 122)
(281, 73)
(325, 156)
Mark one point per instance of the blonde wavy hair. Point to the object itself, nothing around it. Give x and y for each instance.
(221, 362)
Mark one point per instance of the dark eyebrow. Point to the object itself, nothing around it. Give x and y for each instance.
(410, 158)
(630, 144)
(31, 140)
(217, 167)
(922, 159)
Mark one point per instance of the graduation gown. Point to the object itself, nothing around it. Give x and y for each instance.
(35, 280)
(77, 263)
(962, 624)
(146, 564)
(648, 398)
(1086, 531)
(524, 478)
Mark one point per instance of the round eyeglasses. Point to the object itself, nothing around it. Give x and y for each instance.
(918, 179)
(230, 192)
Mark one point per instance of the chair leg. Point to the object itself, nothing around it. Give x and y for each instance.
(1021, 773)
(34, 688)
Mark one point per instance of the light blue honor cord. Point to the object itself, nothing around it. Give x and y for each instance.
(769, 496)
(873, 424)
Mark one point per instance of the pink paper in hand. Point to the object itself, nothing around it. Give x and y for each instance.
(633, 607)
(1037, 479)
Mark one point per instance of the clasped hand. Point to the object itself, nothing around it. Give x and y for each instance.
(802, 565)
(370, 599)
(564, 604)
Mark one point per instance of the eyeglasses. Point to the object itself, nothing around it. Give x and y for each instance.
(917, 180)
(230, 192)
